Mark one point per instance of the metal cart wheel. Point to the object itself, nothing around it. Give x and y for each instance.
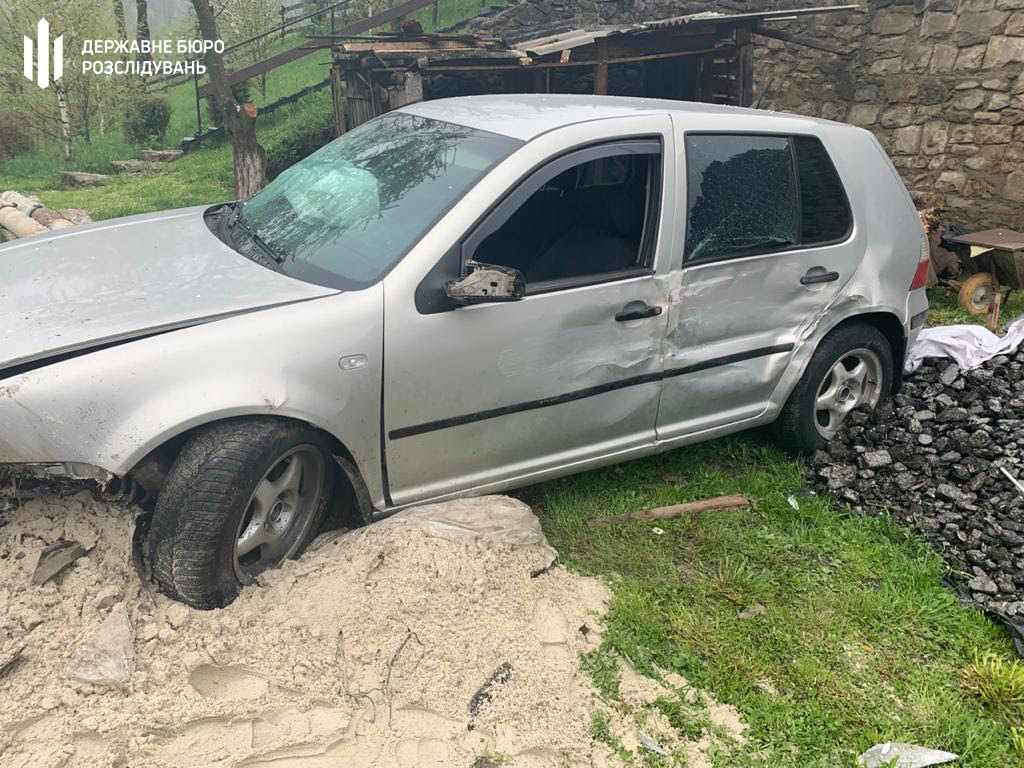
(976, 293)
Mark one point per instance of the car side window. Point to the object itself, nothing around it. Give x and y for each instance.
(583, 223)
(749, 194)
(824, 211)
(741, 196)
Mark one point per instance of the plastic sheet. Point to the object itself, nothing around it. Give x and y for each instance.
(905, 756)
(106, 657)
(967, 345)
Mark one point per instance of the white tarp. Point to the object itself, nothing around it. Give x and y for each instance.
(967, 345)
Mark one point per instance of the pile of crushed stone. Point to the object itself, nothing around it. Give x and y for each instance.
(943, 457)
(443, 636)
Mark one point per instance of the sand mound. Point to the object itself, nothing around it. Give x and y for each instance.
(427, 640)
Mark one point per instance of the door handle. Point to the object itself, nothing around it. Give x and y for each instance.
(812, 278)
(638, 314)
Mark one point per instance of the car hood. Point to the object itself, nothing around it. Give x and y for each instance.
(116, 280)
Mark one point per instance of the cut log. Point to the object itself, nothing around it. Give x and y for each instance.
(32, 206)
(160, 155)
(676, 510)
(17, 223)
(81, 179)
(76, 215)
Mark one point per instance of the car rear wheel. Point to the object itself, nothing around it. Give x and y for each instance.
(852, 367)
(242, 496)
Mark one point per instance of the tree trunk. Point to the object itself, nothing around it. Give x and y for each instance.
(250, 159)
(85, 111)
(65, 118)
(119, 17)
(142, 28)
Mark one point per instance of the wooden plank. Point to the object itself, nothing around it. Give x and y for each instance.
(601, 69)
(355, 28)
(745, 67)
(337, 94)
(408, 46)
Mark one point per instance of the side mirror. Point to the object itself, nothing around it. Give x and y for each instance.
(486, 283)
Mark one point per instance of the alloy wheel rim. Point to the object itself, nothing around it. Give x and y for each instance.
(279, 511)
(855, 379)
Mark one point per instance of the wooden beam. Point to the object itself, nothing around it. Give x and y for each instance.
(744, 67)
(806, 42)
(306, 48)
(601, 69)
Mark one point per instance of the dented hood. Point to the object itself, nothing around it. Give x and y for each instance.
(115, 280)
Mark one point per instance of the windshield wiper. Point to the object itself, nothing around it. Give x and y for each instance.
(234, 223)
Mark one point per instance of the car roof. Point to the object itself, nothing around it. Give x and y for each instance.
(525, 116)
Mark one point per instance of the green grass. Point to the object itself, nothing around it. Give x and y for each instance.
(859, 642)
(943, 308)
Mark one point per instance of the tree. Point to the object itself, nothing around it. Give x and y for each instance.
(142, 28)
(240, 123)
(245, 19)
(60, 110)
(119, 18)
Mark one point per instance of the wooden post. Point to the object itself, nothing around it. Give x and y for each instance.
(433, 16)
(601, 68)
(744, 67)
(199, 106)
(337, 94)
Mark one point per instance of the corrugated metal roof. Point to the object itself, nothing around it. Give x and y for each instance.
(727, 18)
(575, 38)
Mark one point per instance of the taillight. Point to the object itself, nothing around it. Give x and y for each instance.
(921, 275)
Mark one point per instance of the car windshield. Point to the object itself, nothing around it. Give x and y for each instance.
(347, 213)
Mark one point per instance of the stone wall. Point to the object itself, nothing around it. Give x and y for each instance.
(938, 81)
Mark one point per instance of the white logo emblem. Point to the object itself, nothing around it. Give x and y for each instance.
(42, 76)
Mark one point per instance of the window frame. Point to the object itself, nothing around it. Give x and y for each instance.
(750, 253)
(519, 192)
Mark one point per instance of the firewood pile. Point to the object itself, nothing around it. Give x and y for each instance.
(22, 216)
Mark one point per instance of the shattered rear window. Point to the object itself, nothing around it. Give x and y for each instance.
(741, 194)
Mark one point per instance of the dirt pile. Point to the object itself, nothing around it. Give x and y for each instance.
(437, 638)
(942, 456)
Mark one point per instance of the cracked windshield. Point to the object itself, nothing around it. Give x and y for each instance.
(347, 213)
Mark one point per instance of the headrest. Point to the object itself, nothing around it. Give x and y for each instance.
(611, 209)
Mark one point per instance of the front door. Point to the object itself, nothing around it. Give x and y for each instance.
(768, 247)
(496, 394)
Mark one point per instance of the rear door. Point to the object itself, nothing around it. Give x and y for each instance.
(768, 245)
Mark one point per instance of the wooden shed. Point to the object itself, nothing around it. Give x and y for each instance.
(698, 57)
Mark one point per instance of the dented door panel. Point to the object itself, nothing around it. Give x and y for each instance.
(494, 394)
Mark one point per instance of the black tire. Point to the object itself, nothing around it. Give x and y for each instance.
(207, 492)
(795, 428)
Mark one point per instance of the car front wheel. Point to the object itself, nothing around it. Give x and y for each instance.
(852, 367)
(242, 496)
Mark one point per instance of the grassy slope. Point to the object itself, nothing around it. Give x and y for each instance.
(858, 644)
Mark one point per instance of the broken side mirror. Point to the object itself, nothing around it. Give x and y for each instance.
(486, 283)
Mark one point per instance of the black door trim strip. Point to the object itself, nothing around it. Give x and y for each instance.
(579, 394)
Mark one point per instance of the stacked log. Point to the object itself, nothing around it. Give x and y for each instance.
(22, 216)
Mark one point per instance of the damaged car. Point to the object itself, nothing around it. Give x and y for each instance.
(458, 297)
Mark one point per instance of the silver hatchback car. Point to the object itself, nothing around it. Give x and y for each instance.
(462, 296)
